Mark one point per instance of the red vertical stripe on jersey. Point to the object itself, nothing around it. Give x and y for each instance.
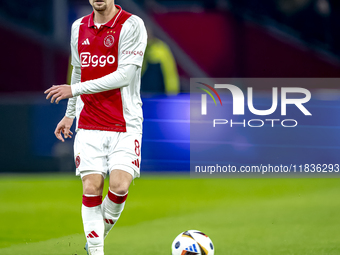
(117, 199)
(101, 111)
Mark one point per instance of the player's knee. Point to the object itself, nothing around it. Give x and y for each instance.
(93, 185)
(92, 190)
(120, 182)
(119, 188)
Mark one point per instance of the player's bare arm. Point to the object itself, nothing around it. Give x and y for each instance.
(64, 127)
(59, 92)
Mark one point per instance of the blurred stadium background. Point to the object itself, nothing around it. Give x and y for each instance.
(215, 38)
(199, 38)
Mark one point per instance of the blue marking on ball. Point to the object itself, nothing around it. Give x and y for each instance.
(177, 245)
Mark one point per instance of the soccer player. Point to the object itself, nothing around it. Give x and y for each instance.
(107, 50)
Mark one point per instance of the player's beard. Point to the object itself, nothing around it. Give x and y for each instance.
(101, 7)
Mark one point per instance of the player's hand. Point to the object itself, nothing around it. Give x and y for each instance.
(59, 92)
(64, 127)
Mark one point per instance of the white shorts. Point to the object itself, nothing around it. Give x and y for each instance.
(97, 151)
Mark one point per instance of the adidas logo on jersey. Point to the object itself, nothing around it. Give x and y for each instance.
(86, 42)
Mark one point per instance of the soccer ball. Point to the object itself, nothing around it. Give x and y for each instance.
(192, 242)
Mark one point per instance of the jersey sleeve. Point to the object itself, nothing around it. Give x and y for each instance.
(75, 61)
(132, 42)
(118, 79)
(76, 72)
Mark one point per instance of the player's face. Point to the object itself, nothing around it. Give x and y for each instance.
(101, 5)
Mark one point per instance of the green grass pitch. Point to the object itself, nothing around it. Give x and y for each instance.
(40, 214)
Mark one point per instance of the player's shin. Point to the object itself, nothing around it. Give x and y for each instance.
(112, 207)
(93, 223)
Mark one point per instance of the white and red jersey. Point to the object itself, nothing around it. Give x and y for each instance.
(99, 52)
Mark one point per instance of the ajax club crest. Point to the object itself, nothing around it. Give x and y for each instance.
(109, 40)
